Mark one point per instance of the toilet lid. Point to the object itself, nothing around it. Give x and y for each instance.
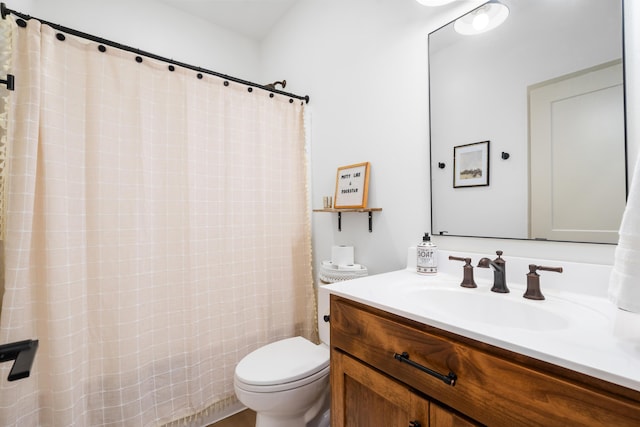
(282, 362)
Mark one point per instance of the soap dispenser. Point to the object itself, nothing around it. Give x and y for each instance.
(427, 262)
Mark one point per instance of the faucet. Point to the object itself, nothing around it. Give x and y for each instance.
(499, 272)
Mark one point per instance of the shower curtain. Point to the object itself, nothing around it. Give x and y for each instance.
(157, 231)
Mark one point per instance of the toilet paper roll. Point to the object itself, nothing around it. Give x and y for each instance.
(342, 255)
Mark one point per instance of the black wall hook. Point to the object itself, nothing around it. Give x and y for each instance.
(273, 85)
(10, 82)
(23, 353)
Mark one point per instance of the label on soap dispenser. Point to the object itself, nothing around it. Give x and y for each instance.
(427, 262)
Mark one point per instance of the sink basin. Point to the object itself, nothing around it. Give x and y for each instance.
(503, 310)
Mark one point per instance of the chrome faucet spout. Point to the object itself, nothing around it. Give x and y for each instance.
(499, 272)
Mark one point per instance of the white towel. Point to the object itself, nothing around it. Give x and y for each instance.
(624, 284)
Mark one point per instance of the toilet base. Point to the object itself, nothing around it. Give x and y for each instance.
(317, 416)
(263, 420)
(322, 417)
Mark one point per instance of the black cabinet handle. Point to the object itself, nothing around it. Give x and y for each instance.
(449, 379)
(415, 424)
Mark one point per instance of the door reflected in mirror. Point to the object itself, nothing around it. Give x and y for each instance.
(546, 89)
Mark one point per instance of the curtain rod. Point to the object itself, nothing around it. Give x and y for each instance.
(5, 11)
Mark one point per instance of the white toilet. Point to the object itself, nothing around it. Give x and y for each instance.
(287, 382)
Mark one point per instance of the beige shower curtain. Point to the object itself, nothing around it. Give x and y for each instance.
(157, 231)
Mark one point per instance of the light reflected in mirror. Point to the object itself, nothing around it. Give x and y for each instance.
(546, 89)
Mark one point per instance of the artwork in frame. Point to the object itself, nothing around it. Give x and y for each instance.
(471, 165)
(352, 186)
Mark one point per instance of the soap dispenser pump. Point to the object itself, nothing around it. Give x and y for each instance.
(427, 262)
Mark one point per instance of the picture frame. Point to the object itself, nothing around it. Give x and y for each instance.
(352, 186)
(471, 165)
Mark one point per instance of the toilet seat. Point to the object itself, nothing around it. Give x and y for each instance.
(283, 365)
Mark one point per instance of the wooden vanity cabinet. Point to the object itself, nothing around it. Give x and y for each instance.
(370, 398)
(372, 387)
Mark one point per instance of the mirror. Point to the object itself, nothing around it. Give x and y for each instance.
(546, 90)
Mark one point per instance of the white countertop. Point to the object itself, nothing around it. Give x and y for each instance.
(580, 331)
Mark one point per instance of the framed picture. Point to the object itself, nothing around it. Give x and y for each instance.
(471, 165)
(352, 186)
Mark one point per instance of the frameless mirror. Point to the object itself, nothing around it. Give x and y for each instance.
(546, 90)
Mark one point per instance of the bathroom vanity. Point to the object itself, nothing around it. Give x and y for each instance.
(399, 360)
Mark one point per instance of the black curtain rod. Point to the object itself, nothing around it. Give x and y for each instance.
(5, 11)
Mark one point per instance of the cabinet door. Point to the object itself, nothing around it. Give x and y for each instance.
(441, 417)
(363, 397)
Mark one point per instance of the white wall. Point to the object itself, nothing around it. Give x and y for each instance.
(364, 64)
(152, 27)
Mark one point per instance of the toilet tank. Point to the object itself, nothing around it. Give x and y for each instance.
(323, 310)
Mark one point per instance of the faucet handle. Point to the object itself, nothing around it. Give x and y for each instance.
(533, 281)
(467, 269)
(543, 268)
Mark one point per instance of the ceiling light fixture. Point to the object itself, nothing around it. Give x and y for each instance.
(434, 2)
(482, 19)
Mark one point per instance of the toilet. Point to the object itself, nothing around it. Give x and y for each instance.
(287, 382)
